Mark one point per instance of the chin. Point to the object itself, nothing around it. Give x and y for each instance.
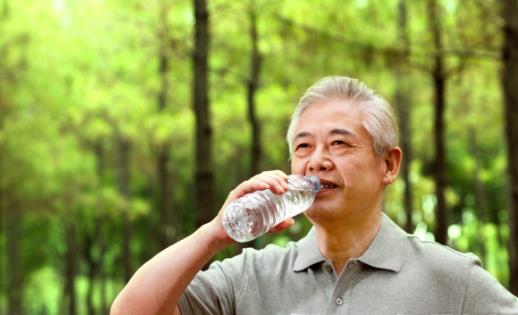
(316, 215)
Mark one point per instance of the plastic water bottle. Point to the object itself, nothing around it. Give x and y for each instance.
(256, 213)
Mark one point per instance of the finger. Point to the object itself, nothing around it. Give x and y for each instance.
(279, 175)
(277, 181)
(246, 187)
(252, 185)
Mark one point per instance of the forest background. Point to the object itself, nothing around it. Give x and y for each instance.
(125, 123)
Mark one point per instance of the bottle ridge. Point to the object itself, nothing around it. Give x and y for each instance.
(256, 213)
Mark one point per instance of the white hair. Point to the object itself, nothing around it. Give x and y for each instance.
(379, 119)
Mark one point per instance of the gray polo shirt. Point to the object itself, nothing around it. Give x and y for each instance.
(398, 274)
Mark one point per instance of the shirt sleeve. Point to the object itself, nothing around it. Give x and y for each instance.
(214, 291)
(485, 295)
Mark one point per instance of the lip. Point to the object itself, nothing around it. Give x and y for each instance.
(326, 182)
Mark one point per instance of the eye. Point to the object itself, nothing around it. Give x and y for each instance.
(339, 144)
(302, 146)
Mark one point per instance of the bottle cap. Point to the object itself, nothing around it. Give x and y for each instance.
(315, 181)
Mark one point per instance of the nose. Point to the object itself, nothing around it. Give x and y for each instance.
(319, 162)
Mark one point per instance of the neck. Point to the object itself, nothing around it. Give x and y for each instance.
(350, 239)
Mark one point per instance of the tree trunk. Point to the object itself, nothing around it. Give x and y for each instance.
(403, 109)
(439, 85)
(480, 193)
(165, 200)
(3, 244)
(71, 265)
(10, 221)
(103, 248)
(256, 151)
(124, 178)
(14, 263)
(204, 172)
(92, 266)
(510, 91)
(101, 228)
(3, 215)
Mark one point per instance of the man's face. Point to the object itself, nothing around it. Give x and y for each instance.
(331, 143)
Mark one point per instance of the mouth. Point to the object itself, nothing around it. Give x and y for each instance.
(327, 185)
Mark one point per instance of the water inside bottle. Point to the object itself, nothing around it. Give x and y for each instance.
(247, 223)
(243, 222)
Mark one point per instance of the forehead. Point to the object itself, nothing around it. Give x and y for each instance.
(323, 117)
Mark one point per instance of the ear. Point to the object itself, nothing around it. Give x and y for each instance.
(392, 159)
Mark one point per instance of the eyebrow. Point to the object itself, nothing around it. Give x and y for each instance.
(302, 134)
(336, 131)
(341, 131)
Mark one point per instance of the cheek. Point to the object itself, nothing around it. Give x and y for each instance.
(297, 167)
(352, 172)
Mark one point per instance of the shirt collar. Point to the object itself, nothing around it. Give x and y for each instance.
(308, 252)
(385, 251)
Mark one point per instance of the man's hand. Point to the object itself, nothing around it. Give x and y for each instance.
(276, 181)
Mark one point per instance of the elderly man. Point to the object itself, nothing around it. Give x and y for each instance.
(354, 260)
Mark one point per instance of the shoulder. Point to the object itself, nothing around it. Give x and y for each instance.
(250, 258)
(421, 255)
(425, 256)
(272, 256)
(440, 261)
(484, 294)
(435, 253)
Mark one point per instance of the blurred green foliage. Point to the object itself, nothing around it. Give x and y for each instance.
(78, 76)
